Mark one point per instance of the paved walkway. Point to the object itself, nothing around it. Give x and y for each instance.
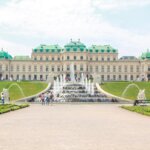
(74, 127)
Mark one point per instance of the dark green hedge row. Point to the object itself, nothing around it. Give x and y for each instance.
(11, 107)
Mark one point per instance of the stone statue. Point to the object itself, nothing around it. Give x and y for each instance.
(141, 95)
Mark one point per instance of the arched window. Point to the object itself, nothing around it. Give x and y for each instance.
(119, 77)
(6, 76)
(81, 57)
(131, 77)
(114, 77)
(29, 77)
(17, 77)
(108, 77)
(125, 77)
(23, 77)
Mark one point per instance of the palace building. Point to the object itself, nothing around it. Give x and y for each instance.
(100, 62)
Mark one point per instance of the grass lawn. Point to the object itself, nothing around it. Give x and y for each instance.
(19, 90)
(144, 110)
(117, 88)
(11, 107)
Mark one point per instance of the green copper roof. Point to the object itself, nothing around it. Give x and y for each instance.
(22, 58)
(75, 46)
(145, 55)
(5, 55)
(102, 49)
(47, 49)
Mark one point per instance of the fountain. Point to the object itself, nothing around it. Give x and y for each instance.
(83, 91)
(129, 86)
(72, 73)
(15, 84)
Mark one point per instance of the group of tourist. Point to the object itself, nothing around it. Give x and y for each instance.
(46, 98)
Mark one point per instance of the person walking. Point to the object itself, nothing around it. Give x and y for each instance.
(2, 98)
(42, 98)
(51, 98)
(47, 98)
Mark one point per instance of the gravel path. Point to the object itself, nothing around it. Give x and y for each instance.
(74, 127)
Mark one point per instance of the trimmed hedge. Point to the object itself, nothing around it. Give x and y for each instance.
(11, 107)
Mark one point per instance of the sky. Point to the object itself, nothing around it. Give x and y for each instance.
(123, 24)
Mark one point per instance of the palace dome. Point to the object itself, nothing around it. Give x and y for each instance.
(74, 46)
(145, 55)
(5, 55)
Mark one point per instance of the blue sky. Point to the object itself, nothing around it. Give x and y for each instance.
(124, 24)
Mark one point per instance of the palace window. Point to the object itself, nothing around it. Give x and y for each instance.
(53, 59)
(131, 77)
(137, 68)
(131, 68)
(102, 77)
(114, 77)
(23, 69)
(114, 68)
(6, 67)
(148, 68)
(29, 77)
(17, 77)
(108, 59)
(68, 57)
(35, 68)
(53, 69)
(46, 58)
(119, 77)
(35, 58)
(29, 69)
(75, 67)
(35, 77)
(46, 68)
(96, 68)
(108, 68)
(125, 68)
(68, 67)
(58, 58)
(126, 77)
(18, 68)
(91, 69)
(81, 67)
(58, 68)
(41, 58)
(75, 57)
(91, 59)
(102, 70)
(102, 58)
(41, 68)
(119, 68)
(96, 58)
(23, 77)
(11, 68)
(108, 77)
(81, 57)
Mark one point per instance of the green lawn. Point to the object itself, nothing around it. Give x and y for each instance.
(19, 90)
(144, 110)
(117, 88)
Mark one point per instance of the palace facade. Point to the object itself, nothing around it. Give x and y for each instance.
(100, 62)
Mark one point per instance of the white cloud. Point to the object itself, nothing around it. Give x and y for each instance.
(119, 4)
(64, 20)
